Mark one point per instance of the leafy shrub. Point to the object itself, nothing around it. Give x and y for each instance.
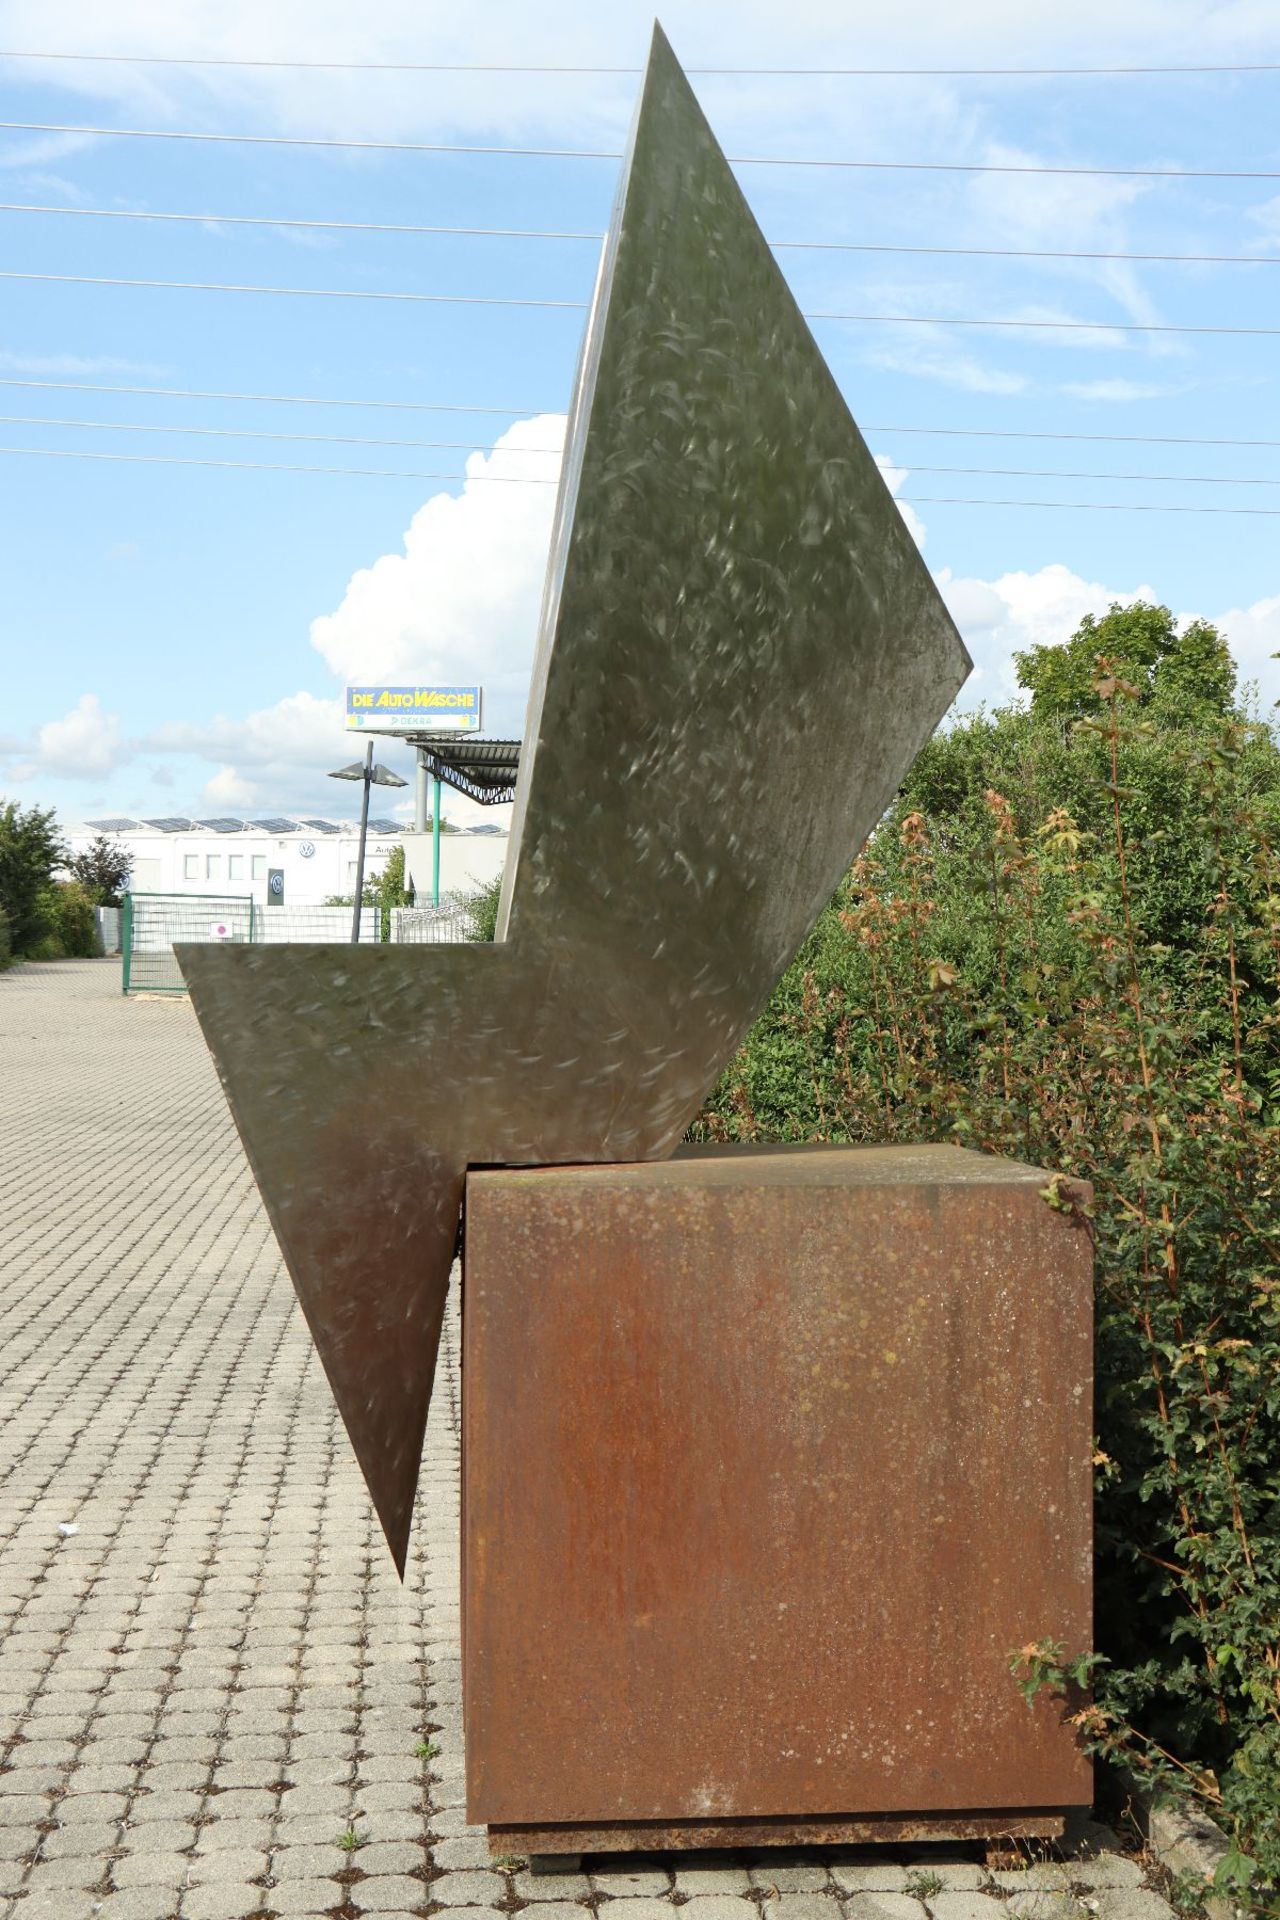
(1081, 968)
(481, 905)
(75, 922)
(6, 939)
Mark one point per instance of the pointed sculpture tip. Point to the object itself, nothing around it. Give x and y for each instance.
(660, 48)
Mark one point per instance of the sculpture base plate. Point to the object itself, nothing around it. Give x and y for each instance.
(664, 1836)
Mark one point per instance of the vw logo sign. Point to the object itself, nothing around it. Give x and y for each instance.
(277, 883)
(307, 848)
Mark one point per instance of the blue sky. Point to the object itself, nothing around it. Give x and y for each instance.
(176, 639)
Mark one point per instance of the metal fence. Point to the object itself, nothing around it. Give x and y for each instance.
(150, 923)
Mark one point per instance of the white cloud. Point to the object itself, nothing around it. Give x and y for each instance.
(1254, 637)
(83, 743)
(929, 355)
(1001, 617)
(1019, 610)
(459, 605)
(1118, 390)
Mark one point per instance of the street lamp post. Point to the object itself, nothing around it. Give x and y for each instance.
(370, 776)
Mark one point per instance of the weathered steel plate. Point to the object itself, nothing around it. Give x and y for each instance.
(741, 652)
(772, 1457)
(637, 1836)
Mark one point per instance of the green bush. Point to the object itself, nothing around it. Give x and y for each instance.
(481, 905)
(6, 939)
(75, 922)
(1072, 957)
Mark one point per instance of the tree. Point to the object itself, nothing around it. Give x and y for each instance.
(1187, 675)
(103, 870)
(30, 850)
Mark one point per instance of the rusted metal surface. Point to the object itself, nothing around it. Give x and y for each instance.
(676, 1836)
(771, 1458)
(741, 652)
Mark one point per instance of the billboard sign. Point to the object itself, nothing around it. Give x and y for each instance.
(413, 709)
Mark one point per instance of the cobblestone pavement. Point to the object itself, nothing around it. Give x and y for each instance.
(216, 1700)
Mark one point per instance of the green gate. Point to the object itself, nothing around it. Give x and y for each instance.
(151, 922)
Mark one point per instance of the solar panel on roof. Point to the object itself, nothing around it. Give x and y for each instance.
(171, 823)
(117, 824)
(385, 826)
(224, 824)
(274, 825)
(322, 826)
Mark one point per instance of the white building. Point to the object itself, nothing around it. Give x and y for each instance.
(231, 859)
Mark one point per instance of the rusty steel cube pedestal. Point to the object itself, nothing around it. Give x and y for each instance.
(771, 1459)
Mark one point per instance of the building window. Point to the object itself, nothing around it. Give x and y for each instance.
(259, 866)
(351, 871)
(235, 866)
(191, 866)
(213, 866)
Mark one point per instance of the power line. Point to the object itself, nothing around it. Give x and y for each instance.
(579, 306)
(384, 473)
(790, 73)
(1082, 506)
(450, 406)
(1059, 473)
(299, 293)
(328, 226)
(318, 439)
(536, 233)
(261, 466)
(1025, 433)
(583, 153)
(468, 446)
(279, 399)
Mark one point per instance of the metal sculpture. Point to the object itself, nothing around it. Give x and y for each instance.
(740, 654)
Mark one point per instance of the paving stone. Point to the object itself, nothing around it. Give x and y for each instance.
(1050, 1876)
(17, 1842)
(225, 1869)
(1047, 1904)
(965, 1906)
(69, 1905)
(702, 1877)
(463, 1851)
(222, 1836)
(138, 1903)
(883, 1906)
(956, 1876)
(1129, 1903)
(391, 1892)
(158, 1836)
(314, 1862)
(1105, 1870)
(614, 1876)
(392, 1856)
(718, 1907)
(472, 1889)
(223, 1903)
(787, 1877)
(76, 1870)
(303, 1897)
(791, 1906)
(566, 1910)
(547, 1887)
(92, 1837)
(150, 1870)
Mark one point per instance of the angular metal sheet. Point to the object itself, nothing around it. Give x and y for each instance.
(740, 654)
(773, 1456)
